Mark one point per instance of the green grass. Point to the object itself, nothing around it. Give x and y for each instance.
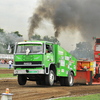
(86, 97)
(7, 76)
(6, 68)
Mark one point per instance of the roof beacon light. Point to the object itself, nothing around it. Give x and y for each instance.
(25, 40)
(94, 37)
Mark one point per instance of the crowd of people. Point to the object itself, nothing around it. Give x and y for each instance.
(5, 61)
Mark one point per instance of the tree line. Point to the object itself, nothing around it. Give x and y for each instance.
(82, 50)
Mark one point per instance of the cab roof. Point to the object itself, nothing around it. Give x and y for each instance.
(33, 42)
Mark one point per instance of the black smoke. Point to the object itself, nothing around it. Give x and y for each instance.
(81, 15)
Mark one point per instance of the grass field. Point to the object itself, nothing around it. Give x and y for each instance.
(86, 97)
(6, 68)
(7, 76)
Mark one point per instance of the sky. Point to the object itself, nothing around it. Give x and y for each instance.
(15, 14)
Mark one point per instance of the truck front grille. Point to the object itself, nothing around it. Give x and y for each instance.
(27, 67)
(32, 62)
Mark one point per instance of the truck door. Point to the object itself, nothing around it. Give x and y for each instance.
(49, 56)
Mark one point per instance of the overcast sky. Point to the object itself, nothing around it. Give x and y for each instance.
(15, 14)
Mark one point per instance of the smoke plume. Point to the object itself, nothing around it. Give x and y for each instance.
(8, 39)
(81, 15)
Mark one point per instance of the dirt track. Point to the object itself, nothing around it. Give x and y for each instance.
(6, 71)
(33, 92)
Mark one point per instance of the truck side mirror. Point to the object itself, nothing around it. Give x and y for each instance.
(50, 50)
(10, 49)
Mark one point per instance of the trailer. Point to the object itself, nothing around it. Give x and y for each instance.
(85, 72)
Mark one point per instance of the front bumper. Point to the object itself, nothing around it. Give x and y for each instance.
(40, 71)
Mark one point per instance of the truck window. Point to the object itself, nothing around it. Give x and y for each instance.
(97, 40)
(48, 48)
(97, 47)
(34, 48)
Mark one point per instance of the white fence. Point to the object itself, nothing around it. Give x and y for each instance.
(6, 56)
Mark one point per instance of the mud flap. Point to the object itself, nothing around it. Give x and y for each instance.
(90, 83)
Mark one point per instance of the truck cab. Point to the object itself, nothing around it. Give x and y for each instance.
(97, 51)
(33, 57)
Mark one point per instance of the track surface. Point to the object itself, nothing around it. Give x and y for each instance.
(6, 71)
(33, 92)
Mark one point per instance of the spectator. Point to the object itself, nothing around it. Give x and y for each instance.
(5, 61)
(0, 61)
(10, 62)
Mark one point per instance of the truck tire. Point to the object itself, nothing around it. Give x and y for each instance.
(90, 83)
(62, 81)
(43, 82)
(69, 81)
(38, 82)
(21, 79)
(49, 79)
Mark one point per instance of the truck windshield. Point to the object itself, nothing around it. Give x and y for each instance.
(34, 48)
(97, 47)
(97, 40)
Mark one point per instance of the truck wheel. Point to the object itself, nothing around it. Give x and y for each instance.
(62, 81)
(49, 79)
(38, 82)
(69, 81)
(90, 83)
(21, 79)
(41, 82)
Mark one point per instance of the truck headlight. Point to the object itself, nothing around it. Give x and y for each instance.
(15, 72)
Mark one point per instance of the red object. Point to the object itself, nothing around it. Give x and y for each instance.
(82, 77)
(96, 77)
(82, 64)
(97, 50)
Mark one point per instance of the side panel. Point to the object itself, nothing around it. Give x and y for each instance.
(64, 61)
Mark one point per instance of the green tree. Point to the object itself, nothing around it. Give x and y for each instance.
(8, 39)
(1, 30)
(45, 38)
(83, 50)
(51, 39)
(36, 37)
(17, 33)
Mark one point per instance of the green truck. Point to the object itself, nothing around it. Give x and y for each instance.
(43, 62)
